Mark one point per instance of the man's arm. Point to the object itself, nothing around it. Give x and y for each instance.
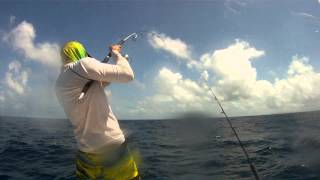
(120, 72)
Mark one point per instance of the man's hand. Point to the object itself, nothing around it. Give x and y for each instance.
(115, 49)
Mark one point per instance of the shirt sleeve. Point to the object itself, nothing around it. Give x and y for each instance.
(96, 70)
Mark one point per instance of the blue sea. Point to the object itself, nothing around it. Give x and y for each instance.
(283, 146)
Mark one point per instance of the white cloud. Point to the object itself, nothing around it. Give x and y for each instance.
(233, 68)
(19, 97)
(173, 94)
(15, 95)
(182, 90)
(235, 82)
(299, 66)
(16, 78)
(22, 39)
(300, 88)
(173, 46)
(306, 15)
(14, 88)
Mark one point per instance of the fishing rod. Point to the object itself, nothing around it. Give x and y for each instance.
(87, 86)
(251, 164)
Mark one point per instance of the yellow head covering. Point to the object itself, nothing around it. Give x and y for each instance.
(74, 51)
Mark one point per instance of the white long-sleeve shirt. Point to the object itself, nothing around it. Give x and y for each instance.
(95, 125)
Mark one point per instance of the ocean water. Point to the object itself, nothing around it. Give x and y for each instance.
(282, 146)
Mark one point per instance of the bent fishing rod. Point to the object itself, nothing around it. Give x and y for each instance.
(251, 164)
(87, 86)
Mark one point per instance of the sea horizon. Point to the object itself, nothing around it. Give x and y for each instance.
(180, 116)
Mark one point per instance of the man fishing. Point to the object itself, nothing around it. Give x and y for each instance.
(102, 147)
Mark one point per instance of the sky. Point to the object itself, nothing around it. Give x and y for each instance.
(259, 57)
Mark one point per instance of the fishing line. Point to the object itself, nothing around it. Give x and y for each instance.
(251, 164)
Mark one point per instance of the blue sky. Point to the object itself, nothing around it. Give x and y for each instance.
(259, 55)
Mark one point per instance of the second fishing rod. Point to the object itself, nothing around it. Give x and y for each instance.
(245, 152)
